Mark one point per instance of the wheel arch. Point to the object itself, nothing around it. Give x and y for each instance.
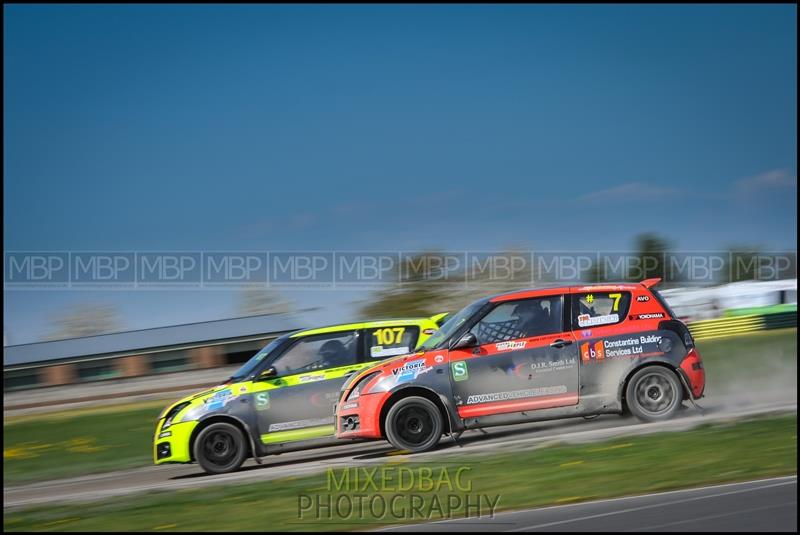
(228, 419)
(623, 386)
(420, 391)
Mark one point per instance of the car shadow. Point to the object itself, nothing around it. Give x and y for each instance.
(269, 463)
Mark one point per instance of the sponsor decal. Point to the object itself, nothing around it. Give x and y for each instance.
(165, 434)
(460, 371)
(262, 401)
(651, 316)
(428, 331)
(585, 320)
(540, 367)
(438, 359)
(516, 394)
(586, 333)
(625, 347)
(243, 389)
(502, 346)
(219, 400)
(629, 347)
(298, 424)
(590, 299)
(409, 371)
(312, 378)
(412, 366)
(380, 351)
(350, 405)
(642, 298)
(591, 351)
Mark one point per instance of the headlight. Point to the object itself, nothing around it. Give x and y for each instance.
(173, 412)
(355, 392)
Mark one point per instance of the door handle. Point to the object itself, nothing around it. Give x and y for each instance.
(560, 343)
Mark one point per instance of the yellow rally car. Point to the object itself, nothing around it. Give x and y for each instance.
(283, 397)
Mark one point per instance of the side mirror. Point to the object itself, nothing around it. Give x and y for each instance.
(268, 373)
(467, 340)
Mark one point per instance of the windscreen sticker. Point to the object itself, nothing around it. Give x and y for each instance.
(585, 320)
(380, 351)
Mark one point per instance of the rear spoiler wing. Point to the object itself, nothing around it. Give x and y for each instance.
(438, 319)
(649, 283)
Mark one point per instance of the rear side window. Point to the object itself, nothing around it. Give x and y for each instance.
(391, 341)
(593, 309)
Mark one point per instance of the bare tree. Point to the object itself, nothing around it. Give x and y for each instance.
(419, 291)
(255, 301)
(85, 319)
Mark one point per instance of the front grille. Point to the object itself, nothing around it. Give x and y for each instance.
(163, 450)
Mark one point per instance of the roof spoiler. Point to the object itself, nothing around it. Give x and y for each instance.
(438, 319)
(649, 283)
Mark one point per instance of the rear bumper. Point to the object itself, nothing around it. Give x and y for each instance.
(364, 414)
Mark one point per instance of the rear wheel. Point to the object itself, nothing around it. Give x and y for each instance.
(414, 424)
(654, 393)
(220, 448)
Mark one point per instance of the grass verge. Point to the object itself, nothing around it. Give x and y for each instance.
(553, 475)
(85, 441)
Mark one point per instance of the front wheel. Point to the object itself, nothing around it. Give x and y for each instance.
(220, 448)
(654, 394)
(414, 424)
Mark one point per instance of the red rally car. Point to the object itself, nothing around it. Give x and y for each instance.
(530, 355)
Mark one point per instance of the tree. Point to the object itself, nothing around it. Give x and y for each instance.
(415, 291)
(419, 288)
(256, 301)
(652, 254)
(744, 263)
(85, 319)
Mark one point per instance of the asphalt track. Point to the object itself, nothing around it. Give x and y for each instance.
(493, 440)
(763, 505)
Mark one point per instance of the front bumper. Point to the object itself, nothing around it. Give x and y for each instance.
(359, 418)
(172, 444)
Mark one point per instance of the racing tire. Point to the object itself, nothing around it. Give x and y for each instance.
(654, 394)
(414, 424)
(220, 448)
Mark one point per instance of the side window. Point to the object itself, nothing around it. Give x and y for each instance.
(386, 342)
(592, 309)
(319, 353)
(520, 319)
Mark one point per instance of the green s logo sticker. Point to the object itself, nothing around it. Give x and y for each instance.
(459, 369)
(262, 401)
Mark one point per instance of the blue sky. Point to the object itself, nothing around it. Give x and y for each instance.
(388, 127)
